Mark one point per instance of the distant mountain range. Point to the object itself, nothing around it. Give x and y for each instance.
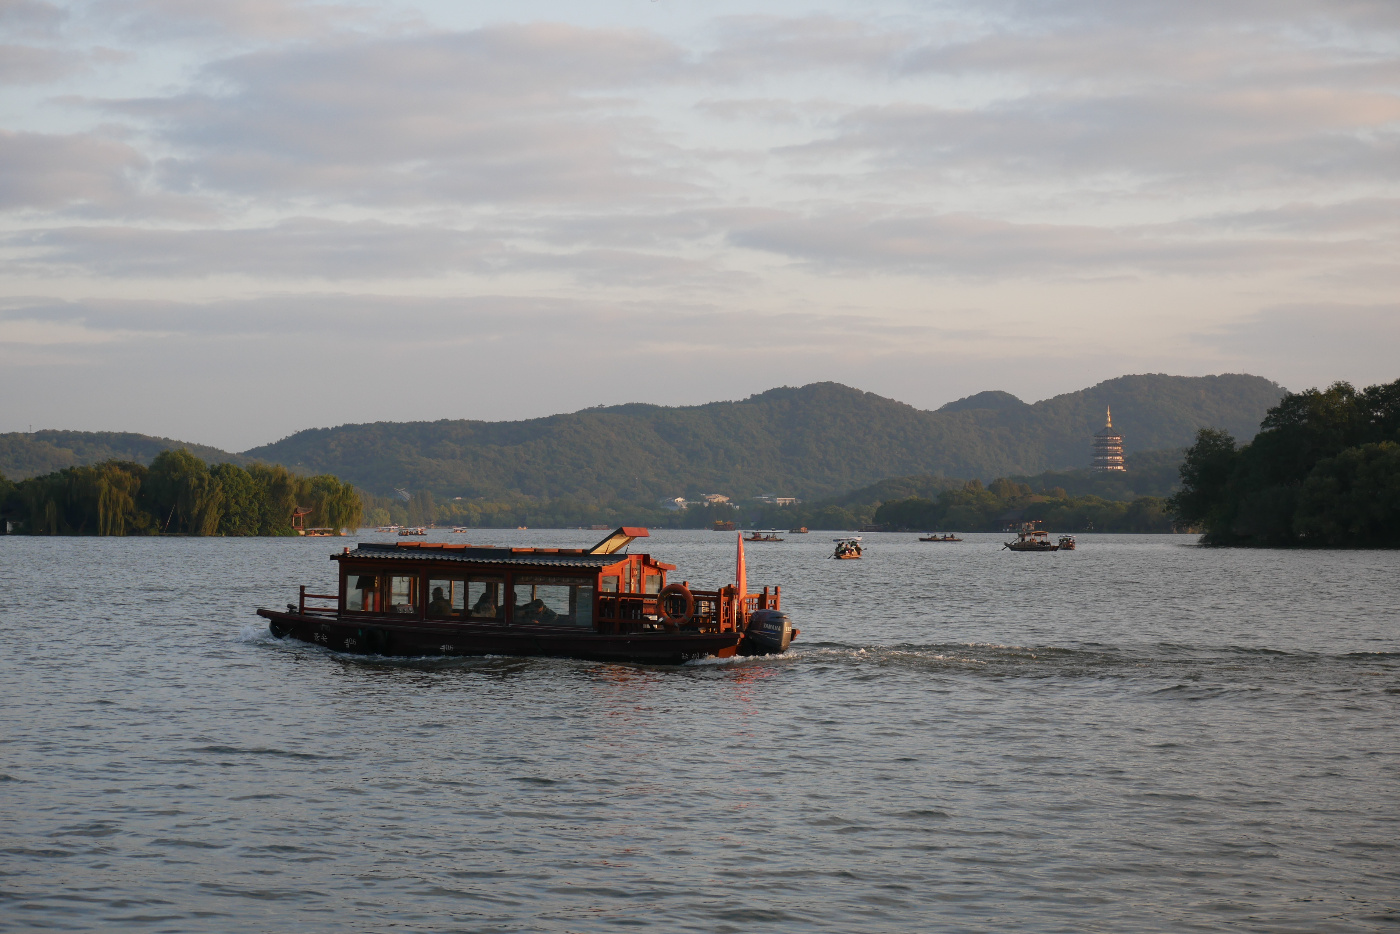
(30, 455)
(812, 441)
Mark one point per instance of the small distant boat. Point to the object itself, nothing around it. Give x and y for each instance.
(800, 530)
(935, 537)
(413, 531)
(847, 549)
(768, 535)
(1029, 538)
(321, 533)
(460, 529)
(1067, 543)
(722, 525)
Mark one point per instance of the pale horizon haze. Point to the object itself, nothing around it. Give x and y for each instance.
(227, 222)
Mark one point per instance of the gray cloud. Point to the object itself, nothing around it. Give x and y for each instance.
(254, 19)
(293, 249)
(40, 170)
(31, 18)
(23, 64)
(871, 241)
(506, 114)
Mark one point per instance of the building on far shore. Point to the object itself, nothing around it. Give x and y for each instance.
(1108, 447)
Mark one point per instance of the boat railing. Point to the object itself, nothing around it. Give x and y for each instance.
(714, 609)
(318, 610)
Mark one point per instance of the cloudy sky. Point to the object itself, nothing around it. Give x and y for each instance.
(225, 222)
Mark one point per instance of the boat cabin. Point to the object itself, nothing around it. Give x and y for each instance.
(601, 589)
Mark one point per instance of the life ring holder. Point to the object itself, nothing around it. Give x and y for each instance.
(674, 590)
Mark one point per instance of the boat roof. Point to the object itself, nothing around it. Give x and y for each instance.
(483, 554)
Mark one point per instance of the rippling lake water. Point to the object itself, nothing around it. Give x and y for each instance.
(1138, 736)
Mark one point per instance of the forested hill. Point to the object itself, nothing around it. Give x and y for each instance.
(811, 441)
(24, 455)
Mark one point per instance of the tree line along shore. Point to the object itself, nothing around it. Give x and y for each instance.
(1324, 470)
(177, 494)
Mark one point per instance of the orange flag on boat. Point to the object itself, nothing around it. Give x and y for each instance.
(741, 574)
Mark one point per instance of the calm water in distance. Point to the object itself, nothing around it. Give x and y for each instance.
(1138, 736)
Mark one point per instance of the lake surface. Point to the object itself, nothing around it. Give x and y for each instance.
(1138, 736)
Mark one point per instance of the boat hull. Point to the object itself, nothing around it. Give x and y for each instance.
(386, 636)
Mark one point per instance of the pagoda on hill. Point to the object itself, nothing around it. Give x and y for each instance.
(1108, 447)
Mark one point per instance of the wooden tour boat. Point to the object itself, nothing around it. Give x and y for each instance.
(1029, 538)
(847, 549)
(429, 598)
(767, 535)
(935, 537)
(418, 530)
(800, 530)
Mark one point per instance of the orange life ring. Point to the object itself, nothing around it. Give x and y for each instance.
(671, 590)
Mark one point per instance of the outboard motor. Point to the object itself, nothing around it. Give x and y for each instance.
(769, 633)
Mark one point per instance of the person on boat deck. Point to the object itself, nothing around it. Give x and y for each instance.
(439, 605)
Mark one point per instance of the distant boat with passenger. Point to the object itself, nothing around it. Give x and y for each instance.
(935, 537)
(767, 535)
(1029, 538)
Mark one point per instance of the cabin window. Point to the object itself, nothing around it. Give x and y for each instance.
(466, 598)
(609, 585)
(403, 594)
(363, 591)
(653, 583)
(446, 598)
(555, 601)
(485, 598)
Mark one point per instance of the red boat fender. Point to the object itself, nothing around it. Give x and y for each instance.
(681, 590)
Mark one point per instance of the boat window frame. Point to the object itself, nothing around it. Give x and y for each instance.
(466, 577)
(380, 573)
(555, 578)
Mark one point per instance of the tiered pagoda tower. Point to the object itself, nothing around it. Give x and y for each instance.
(1108, 447)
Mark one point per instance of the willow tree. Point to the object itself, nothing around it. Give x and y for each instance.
(280, 488)
(183, 494)
(105, 497)
(334, 505)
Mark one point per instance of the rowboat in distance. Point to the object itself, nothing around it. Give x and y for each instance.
(412, 530)
(847, 549)
(1067, 543)
(767, 535)
(602, 603)
(800, 530)
(935, 537)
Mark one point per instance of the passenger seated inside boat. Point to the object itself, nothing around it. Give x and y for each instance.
(485, 599)
(557, 601)
(536, 612)
(440, 605)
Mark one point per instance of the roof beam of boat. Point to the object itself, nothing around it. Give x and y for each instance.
(618, 540)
